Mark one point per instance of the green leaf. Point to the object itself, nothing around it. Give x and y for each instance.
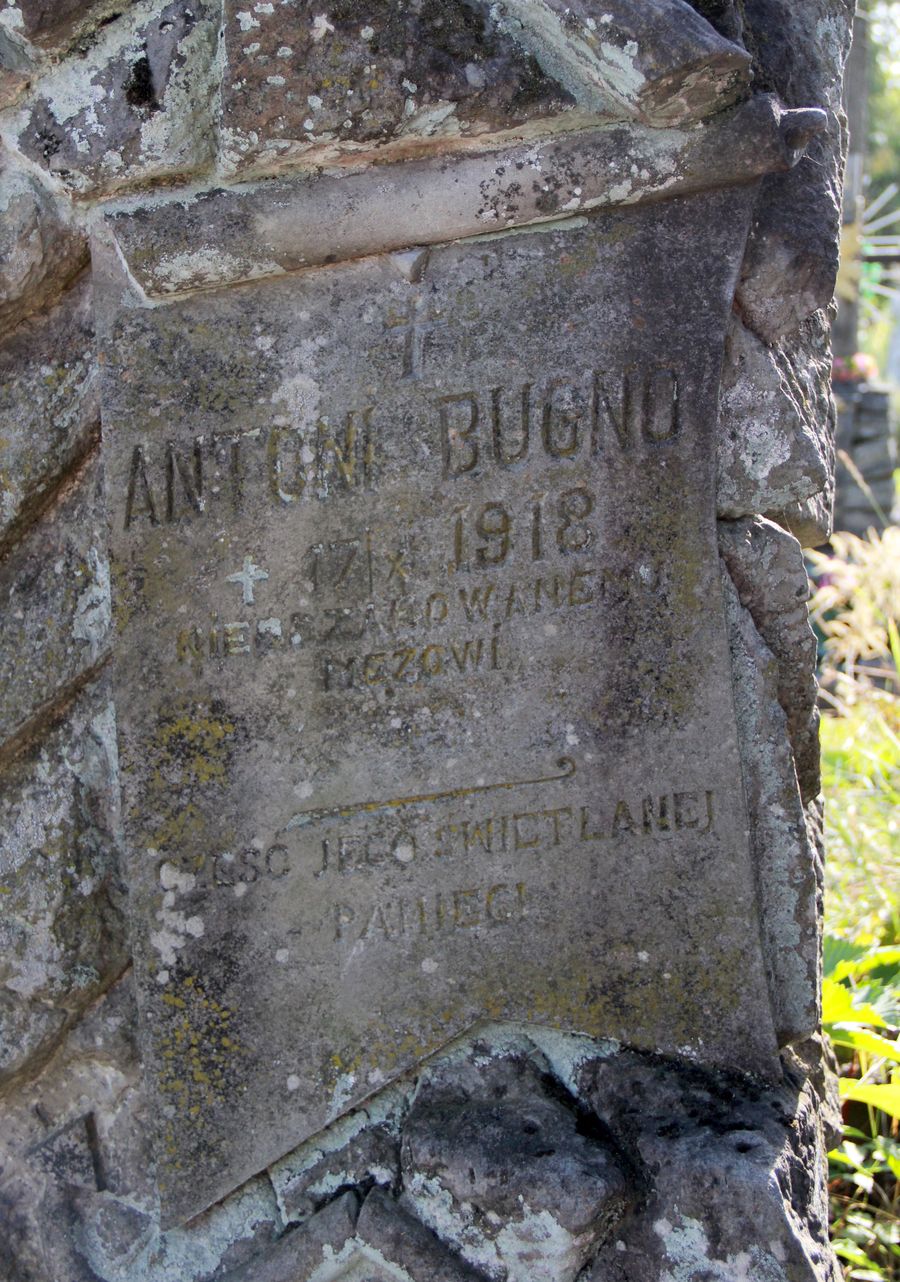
(862, 1040)
(863, 962)
(839, 1006)
(835, 951)
(849, 1251)
(885, 1097)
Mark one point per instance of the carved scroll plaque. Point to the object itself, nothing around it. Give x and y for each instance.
(422, 681)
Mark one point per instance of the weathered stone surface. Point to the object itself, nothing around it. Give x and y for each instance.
(767, 568)
(811, 522)
(792, 257)
(40, 250)
(788, 869)
(305, 83)
(736, 1176)
(243, 618)
(135, 108)
(49, 21)
(658, 61)
(54, 606)
(399, 1239)
(536, 858)
(495, 1163)
(776, 420)
(221, 237)
(301, 1251)
(62, 1142)
(49, 409)
(62, 929)
(357, 1150)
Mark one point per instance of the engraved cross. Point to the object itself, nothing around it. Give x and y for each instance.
(416, 322)
(246, 577)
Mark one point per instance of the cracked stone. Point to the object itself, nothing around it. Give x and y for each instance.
(792, 255)
(789, 871)
(738, 1176)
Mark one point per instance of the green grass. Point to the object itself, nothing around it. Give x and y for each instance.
(861, 782)
(861, 997)
(855, 608)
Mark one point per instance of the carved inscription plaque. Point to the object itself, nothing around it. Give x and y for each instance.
(423, 686)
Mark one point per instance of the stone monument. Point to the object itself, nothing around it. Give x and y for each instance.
(412, 415)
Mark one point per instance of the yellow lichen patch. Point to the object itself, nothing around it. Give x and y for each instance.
(196, 1052)
(182, 829)
(191, 747)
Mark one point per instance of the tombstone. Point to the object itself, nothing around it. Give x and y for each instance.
(466, 795)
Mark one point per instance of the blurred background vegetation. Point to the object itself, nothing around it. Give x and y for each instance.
(856, 611)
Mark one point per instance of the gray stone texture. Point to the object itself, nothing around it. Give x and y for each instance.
(54, 591)
(212, 765)
(518, 1153)
(768, 570)
(792, 257)
(659, 62)
(727, 1164)
(221, 236)
(493, 1158)
(305, 83)
(135, 106)
(62, 933)
(867, 456)
(40, 248)
(776, 420)
(49, 408)
(789, 872)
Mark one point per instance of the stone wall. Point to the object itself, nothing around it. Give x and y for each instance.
(514, 1153)
(867, 436)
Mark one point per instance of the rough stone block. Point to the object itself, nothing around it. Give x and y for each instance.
(495, 1162)
(303, 1251)
(61, 930)
(776, 421)
(725, 16)
(70, 1136)
(52, 22)
(49, 409)
(301, 80)
(135, 108)
(40, 249)
(767, 568)
(241, 835)
(400, 1240)
(54, 606)
(658, 61)
(359, 1149)
(812, 521)
(792, 256)
(736, 1183)
(788, 871)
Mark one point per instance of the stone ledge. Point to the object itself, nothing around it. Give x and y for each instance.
(224, 236)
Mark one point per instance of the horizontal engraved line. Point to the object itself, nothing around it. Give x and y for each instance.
(565, 764)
